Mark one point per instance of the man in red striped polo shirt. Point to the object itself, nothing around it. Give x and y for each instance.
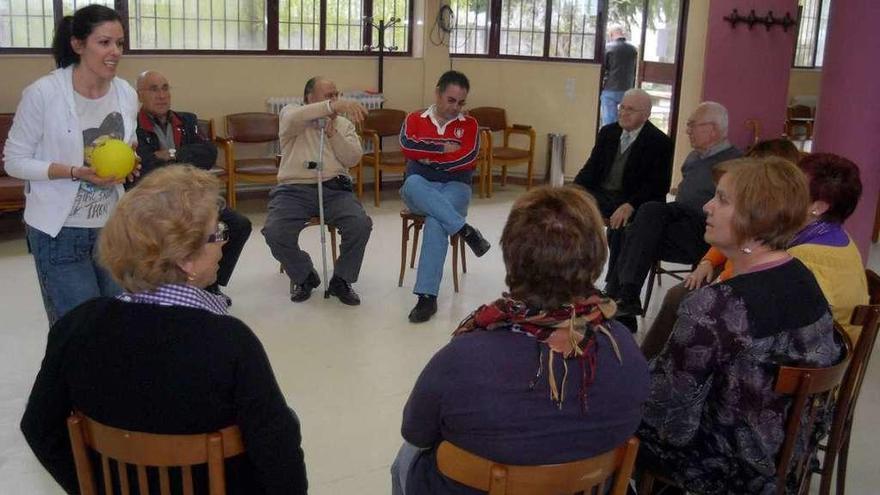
(440, 145)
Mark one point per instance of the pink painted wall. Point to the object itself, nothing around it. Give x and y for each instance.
(848, 115)
(747, 71)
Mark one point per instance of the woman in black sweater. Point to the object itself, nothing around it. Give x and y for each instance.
(164, 357)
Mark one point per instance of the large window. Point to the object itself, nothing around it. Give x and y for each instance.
(812, 28)
(551, 29)
(268, 26)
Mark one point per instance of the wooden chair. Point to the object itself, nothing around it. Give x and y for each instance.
(206, 130)
(11, 188)
(813, 391)
(249, 128)
(314, 222)
(149, 450)
(837, 447)
(412, 225)
(588, 476)
(799, 116)
(378, 124)
(494, 120)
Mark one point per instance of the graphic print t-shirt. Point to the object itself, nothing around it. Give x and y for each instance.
(100, 120)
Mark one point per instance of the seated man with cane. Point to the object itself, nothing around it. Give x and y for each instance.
(305, 132)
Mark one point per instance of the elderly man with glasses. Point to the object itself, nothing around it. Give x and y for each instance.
(630, 164)
(673, 231)
(166, 137)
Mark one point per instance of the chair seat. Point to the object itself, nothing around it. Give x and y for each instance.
(387, 158)
(11, 189)
(503, 153)
(255, 167)
(217, 171)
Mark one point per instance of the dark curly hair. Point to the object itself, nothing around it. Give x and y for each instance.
(834, 180)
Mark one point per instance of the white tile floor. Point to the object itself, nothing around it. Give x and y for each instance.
(346, 371)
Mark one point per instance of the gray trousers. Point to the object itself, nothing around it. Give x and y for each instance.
(290, 208)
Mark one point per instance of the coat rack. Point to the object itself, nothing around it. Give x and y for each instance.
(768, 20)
(381, 28)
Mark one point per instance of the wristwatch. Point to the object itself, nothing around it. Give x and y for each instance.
(172, 154)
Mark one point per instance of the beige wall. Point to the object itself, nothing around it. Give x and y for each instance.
(691, 79)
(804, 82)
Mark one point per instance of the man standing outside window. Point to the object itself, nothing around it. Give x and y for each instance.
(618, 72)
(441, 146)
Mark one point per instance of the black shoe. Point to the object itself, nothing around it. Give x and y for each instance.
(342, 289)
(424, 310)
(215, 289)
(475, 240)
(302, 291)
(628, 307)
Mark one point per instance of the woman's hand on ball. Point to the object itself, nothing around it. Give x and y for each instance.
(136, 172)
(89, 175)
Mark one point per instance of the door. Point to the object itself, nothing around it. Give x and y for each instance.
(657, 29)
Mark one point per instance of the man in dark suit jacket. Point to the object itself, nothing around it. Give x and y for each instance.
(630, 164)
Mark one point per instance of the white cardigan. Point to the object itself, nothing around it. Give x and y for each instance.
(46, 129)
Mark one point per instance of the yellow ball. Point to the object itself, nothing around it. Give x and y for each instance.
(113, 158)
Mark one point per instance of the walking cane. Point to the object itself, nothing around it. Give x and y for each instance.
(322, 122)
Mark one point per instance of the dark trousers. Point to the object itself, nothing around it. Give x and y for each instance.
(290, 208)
(609, 202)
(239, 232)
(660, 231)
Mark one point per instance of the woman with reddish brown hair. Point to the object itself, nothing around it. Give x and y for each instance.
(542, 375)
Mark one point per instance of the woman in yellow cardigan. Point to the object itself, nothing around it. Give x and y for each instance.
(822, 245)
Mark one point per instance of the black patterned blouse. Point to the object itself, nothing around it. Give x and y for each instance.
(712, 420)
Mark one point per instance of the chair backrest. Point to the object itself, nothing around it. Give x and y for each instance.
(206, 128)
(252, 127)
(813, 391)
(144, 450)
(5, 125)
(588, 475)
(492, 118)
(873, 287)
(384, 121)
(799, 112)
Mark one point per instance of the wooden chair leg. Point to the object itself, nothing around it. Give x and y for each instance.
(646, 484)
(841, 463)
(377, 186)
(417, 229)
(529, 173)
(504, 175)
(489, 180)
(332, 230)
(463, 254)
(360, 180)
(230, 190)
(454, 243)
(483, 180)
(404, 240)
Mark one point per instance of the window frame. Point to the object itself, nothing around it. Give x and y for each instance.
(495, 38)
(272, 33)
(815, 44)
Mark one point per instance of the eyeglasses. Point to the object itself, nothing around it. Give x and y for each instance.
(627, 109)
(691, 124)
(158, 89)
(221, 235)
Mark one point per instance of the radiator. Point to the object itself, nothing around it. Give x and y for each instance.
(369, 100)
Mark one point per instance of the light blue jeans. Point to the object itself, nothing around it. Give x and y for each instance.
(610, 100)
(67, 270)
(444, 205)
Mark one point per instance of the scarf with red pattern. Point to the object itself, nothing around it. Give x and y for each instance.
(580, 320)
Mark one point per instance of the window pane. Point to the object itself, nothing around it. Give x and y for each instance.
(68, 7)
(299, 24)
(522, 27)
(345, 25)
(573, 28)
(399, 34)
(197, 24)
(806, 40)
(470, 29)
(823, 31)
(26, 23)
(661, 37)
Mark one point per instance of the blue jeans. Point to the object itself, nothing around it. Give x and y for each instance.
(610, 100)
(402, 465)
(444, 205)
(67, 270)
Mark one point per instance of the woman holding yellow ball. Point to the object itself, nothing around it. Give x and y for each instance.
(62, 119)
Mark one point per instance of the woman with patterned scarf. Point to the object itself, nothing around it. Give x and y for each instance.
(542, 375)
